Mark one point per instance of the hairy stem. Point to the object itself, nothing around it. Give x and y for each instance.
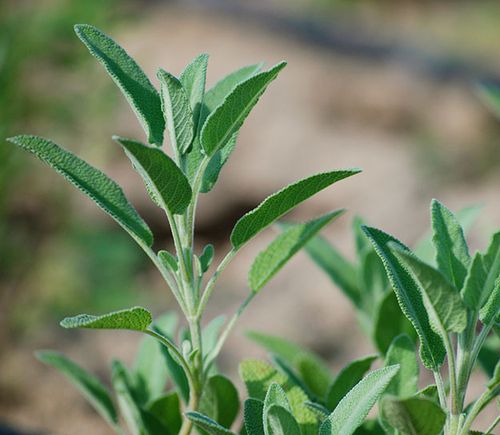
(478, 406)
(440, 388)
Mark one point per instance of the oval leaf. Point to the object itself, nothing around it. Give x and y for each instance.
(135, 319)
(452, 253)
(491, 309)
(432, 350)
(129, 77)
(253, 412)
(207, 424)
(96, 185)
(171, 188)
(287, 244)
(444, 306)
(228, 117)
(413, 416)
(279, 203)
(355, 406)
(279, 421)
(97, 395)
(177, 110)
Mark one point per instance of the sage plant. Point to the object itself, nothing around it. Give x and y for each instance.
(202, 127)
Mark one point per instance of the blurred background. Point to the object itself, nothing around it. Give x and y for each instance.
(385, 85)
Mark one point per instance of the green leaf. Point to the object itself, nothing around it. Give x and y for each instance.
(149, 366)
(207, 424)
(494, 382)
(167, 410)
(432, 350)
(213, 98)
(355, 406)
(489, 354)
(370, 427)
(135, 319)
(139, 421)
(389, 322)
(444, 305)
(171, 188)
(177, 111)
(169, 260)
(429, 392)
(284, 247)
(229, 116)
(413, 416)
(279, 203)
(491, 309)
(347, 378)
(313, 370)
(129, 77)
(258, 376)
(340, 270)
(206, 257)
(424, 249)
(97, 186)
(220, 400)
(402, 352)
(275, 396)
(97, 395)
(253, 416)
(452, 253)
(193, 80)
(489, 92)
(279, 421)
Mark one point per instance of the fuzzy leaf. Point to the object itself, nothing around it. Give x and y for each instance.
(220, 400)
(169, 260)
(93, 390)
(229, 116)
(207, 424)
(284, 247)
(432, 350)
(206, 257)
(218, 160)
(193, 80)
(281, 202)
(96, 185)
(129, 77)
(491, 309)
(340, 270)
(347, 378)
(279, 421)
(164, 177)
(414, 416)
(444, 306)
(389, 322)
(149, 366)
(253, 416)
(167, 410)
(135, 319)
(402, 352)
(452, 253)
(276, 396)
(258, 376)
(176, 108)
(355, 406)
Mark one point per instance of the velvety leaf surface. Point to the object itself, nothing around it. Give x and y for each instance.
(355, 406)
(402, 352)
(253, 416)
(93, 390)
(340, 270)
(491, 309)
(176, 108)
(444, 305)
(347, 378)
(228, 117)
(276, 396)
(96, 185)
(206, 257)
(258, 376)
(287, 244)
(135, 319)
(414, 416)
(432, 350)
(167, 410)
(279, 203)
(452, 253)
(220, 400)
(279, 421)
(129, 77)
(193, 80)
(169, 260)
(207, 424)
(159, 172)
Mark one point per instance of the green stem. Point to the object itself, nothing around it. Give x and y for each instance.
(454, 399)
(465, 363)
(440, 388)
(478, 406)
(493, 425)
(191, 211)
(211, 283)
